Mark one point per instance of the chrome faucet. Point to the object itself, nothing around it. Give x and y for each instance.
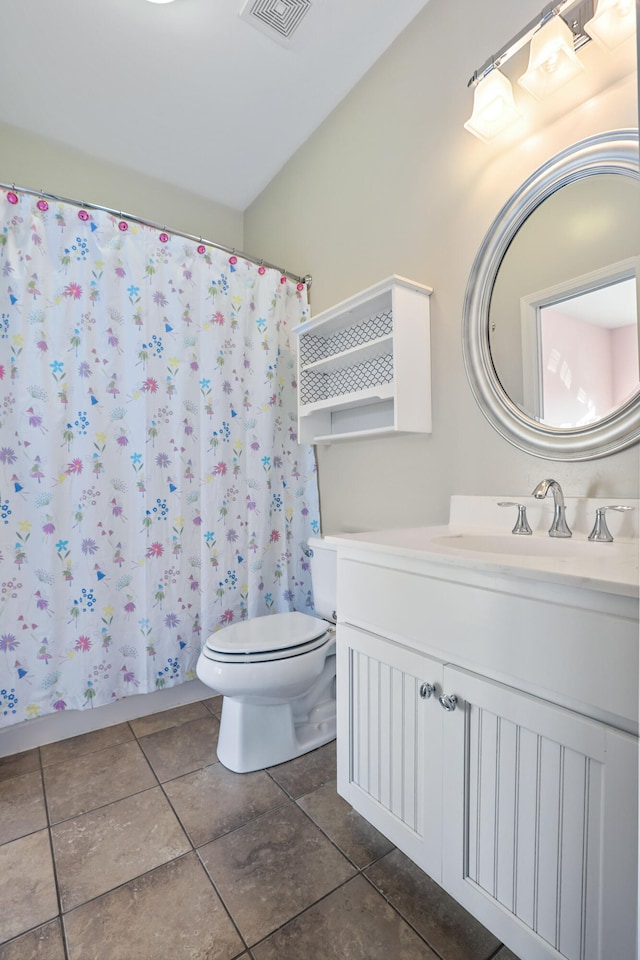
(559, 527)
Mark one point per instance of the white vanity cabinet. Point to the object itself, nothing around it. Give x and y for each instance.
(392, 768)
(521, 800)
(364, 365)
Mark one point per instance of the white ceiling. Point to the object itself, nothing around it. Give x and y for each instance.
(187, 92)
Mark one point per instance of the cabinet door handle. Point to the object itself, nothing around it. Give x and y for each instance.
(449, 702)
(427, 690)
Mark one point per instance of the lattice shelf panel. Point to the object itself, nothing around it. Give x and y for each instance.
(316, 386)
(314, 347)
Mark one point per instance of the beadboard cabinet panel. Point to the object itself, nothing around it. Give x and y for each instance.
(390, 756)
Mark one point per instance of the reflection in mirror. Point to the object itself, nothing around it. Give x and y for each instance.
(563, 313)
(587, 354)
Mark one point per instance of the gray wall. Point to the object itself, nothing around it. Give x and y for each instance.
(392, 183)
(40, 164)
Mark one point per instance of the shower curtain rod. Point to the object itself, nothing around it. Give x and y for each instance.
(307, 279)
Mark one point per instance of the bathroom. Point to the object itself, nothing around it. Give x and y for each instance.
(391, 183)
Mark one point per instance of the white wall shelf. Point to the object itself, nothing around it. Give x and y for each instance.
(364, 367)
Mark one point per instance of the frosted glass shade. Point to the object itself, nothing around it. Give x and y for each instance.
(552, 60)
(493, 107)
(613, 22)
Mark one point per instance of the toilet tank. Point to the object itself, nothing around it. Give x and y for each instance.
(323, 577)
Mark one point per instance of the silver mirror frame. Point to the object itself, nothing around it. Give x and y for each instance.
(613, 152)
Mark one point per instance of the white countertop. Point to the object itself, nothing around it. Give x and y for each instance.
(576, 562)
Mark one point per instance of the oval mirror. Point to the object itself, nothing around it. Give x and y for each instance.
(550, 326)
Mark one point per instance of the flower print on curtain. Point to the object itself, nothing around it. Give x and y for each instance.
(151, 486)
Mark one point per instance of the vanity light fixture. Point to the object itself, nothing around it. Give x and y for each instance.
(493, 106)
(554, 37)
(552, 59)
(160, 1)
(614, 21)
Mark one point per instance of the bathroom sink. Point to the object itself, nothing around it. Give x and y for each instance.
(511, 545)
(475, 541)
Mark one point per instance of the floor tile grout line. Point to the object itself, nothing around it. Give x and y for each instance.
(66, 819)
(403, 917)
(223, 902)
(172, 726)
(18, 776)
(140, 876)
(24, 836)
(334, 842)
(492, 956)
(240, 826)
(496, 955)
(102, 806)
(278, 784)
(304, 910)
(286, 799)
(87, 753)
(300, 796)
(315, 903)
(38, 926)
(54, 865)
(289, 800)
(47, 824)
(133, 736)
(195, 850)
(63, 932)
(159, 783)
(63, 913)
(46, 827)
(23, 773)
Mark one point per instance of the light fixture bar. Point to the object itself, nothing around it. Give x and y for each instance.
(583, 11)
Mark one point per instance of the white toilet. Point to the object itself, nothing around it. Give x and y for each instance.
(277, 676)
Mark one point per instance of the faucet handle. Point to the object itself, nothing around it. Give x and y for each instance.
(522, 524)
(601, 532)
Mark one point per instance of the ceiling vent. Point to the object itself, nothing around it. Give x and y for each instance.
(277, 18)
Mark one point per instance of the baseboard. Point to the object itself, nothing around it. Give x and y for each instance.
(71, 723)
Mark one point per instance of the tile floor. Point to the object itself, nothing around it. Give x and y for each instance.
(134, 843)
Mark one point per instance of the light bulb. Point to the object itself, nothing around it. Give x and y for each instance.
(493, 107)
(613, 22)
(552, 59)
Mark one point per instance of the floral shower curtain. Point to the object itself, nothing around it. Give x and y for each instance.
(151, 486)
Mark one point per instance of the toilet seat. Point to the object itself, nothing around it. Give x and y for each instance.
(261, 639)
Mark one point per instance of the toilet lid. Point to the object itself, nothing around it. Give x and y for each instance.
(275, 633)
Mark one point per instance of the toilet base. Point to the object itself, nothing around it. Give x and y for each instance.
(254, 736)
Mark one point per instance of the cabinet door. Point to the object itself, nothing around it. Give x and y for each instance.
(540, 823)
(390, 740)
